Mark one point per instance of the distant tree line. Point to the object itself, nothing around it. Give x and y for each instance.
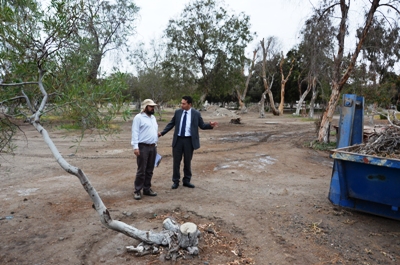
(60, 48)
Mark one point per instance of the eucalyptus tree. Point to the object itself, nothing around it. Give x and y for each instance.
(341, 71)
(104, 26)
(242, 88)
(381, 49)
(267, 72)
(315, 49)
(34, 72)
(284, 80)
(375, 78)
(208, 43)
(151, 77)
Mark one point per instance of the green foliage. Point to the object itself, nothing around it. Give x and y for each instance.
(7, 130)
(48, 58)
(381, 48)
(307, 119)
(152, 81)
(322, 146)
(206, 47)
(104, 26)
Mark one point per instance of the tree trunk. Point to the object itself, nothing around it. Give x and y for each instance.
(242, 106)
(300, 102)
(282, 103)
(312, 107)
(262, 104)
(94, 66)
(313, 98)
(159, 110)
(328, 115)
(302, 98)
(242, 96)
(283, 83)
(267, 85)
(202, 98)
(240, 99)
(339, 79)
(274, 110)
(164, 238)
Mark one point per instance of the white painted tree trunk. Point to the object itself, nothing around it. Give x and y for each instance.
(262, 104)
(303, 96)
(313, 97)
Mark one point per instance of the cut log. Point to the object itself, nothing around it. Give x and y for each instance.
(235, 121)
(184, 237)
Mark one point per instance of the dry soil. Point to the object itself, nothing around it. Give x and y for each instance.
(261, 197)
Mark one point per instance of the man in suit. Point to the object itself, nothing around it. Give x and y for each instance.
(185, 140)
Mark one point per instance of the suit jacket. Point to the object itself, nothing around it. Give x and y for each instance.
(195, 123)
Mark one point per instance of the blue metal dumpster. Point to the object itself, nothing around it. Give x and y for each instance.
(362, 182)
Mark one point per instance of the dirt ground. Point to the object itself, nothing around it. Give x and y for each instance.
(261, 197)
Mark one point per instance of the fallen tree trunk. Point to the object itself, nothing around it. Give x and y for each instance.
(174, 237)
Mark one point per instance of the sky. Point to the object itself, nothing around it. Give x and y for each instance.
(280, 18)
(283, 18)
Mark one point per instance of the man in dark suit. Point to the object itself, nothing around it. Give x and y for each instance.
(185, 140)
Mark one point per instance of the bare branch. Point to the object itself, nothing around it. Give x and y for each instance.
(11, 99)
(44, 99)
(20, 84)
(392, 7)
(326, 10)
(28, 102)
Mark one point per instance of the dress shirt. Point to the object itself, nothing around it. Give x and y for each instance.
(188, 122)
(144, 130)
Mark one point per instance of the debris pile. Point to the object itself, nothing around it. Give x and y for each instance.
(222, 112)
(383, 143)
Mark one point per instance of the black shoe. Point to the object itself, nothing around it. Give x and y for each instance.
(175, 186)
(137, 195)
(149, 192)
(188, 184)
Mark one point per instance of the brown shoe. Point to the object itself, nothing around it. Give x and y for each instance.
(137, 195)
(149, 192)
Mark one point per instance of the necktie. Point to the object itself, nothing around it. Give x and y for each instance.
(183, 124)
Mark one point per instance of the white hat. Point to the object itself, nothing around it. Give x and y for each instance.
(147, 102)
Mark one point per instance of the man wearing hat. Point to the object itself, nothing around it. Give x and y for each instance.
(144, 142)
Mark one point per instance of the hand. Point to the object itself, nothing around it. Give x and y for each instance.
(136, 152)
(214, 124)
(159, 134)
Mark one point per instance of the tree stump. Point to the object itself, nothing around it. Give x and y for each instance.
(235, 121)
(185, 236)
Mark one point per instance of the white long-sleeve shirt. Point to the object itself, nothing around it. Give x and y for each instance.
(188, 121)
(144, 130)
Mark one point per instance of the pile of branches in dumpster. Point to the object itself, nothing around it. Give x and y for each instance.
(384, 142)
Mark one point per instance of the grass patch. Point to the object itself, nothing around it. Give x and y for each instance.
(52, 118)
(307, 119)
(322, 146)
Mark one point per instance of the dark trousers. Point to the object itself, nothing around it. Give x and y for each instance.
(145, 166)
(183, 147)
